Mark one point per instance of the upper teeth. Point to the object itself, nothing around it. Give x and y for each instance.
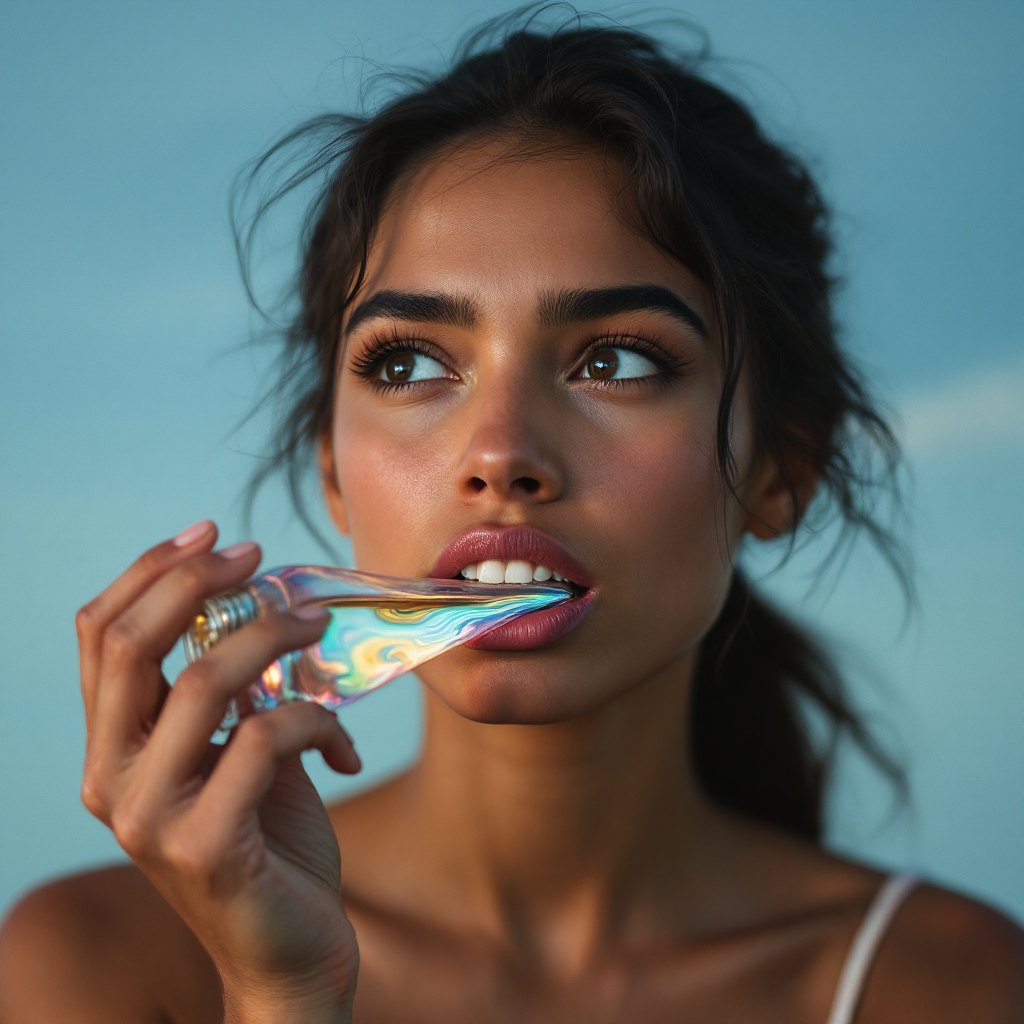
(494, 571)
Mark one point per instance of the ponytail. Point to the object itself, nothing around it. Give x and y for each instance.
(757, 675)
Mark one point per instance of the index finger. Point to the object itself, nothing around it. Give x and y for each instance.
(93, 618)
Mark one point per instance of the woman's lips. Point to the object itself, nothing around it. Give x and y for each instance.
(506, 544)
(527, 544)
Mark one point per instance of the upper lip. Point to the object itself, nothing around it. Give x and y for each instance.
(506, 543)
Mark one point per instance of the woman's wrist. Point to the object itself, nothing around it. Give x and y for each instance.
(317, 993)
(253, 1008)
(324, 1001)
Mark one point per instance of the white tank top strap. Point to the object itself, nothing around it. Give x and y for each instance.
(891, 894)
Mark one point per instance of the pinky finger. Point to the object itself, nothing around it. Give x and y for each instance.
(260, 746)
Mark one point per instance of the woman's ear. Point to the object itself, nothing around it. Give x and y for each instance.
(329, 484)
(775, 505)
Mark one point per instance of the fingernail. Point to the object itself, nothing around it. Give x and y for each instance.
(310, 612)
(247, 547)
(193, 533)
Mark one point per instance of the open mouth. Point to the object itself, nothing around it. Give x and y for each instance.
(520, 555)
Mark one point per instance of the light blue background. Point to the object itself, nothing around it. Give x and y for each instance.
(121, 125)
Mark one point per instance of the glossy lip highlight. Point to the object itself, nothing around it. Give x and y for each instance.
(538, 629)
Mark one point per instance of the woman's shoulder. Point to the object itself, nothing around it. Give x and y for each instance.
(104, 941)
(946, 957)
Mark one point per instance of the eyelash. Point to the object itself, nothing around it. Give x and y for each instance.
(669, 366)
(367, 364)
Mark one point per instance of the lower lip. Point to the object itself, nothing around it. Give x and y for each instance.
(538, 629)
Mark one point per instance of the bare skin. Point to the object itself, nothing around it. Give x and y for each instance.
(551, 856)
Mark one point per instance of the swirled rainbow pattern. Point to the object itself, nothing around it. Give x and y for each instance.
(363, 648)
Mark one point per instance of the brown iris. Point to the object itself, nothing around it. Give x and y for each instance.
(398, 368)
(603, 364)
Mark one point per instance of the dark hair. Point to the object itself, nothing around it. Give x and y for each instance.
(738, 210)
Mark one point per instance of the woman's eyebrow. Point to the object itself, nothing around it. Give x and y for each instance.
(558, 309)
(419, 307)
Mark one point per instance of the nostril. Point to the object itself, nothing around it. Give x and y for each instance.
(527, 483)
(528, 486)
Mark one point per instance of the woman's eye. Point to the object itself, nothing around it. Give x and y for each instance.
(618, 364)
(407, 367)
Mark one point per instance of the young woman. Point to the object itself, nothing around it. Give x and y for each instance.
(564, 306)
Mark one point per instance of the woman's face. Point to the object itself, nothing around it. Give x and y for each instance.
(519, 356)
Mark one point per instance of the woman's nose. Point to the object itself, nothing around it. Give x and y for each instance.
(508, 459)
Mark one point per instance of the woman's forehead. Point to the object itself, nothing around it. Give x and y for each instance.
(481, 222)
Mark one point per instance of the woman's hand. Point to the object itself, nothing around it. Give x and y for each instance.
(235, 837)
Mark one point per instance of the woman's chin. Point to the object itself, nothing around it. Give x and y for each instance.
(505, 692)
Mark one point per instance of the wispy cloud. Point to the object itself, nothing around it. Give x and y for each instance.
(978, 410)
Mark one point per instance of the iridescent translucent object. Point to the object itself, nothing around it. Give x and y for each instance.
(380, 628)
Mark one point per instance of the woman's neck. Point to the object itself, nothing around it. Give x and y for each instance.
(579, 825)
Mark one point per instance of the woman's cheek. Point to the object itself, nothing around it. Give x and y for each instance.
(663, 486)
(664, 519)
(392, 485)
